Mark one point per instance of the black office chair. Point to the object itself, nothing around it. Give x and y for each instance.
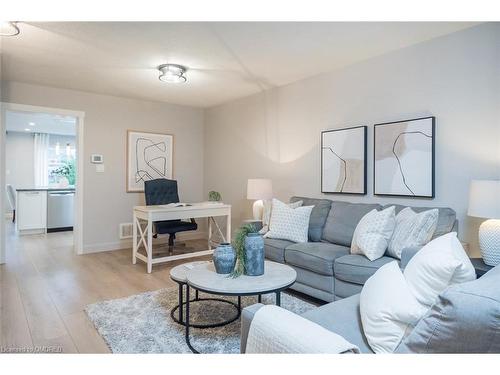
(163, 191)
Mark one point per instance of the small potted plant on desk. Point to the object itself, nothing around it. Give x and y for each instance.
(214, 196)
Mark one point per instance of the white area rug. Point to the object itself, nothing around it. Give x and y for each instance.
(142, 323)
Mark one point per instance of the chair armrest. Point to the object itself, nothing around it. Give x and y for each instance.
(247, 314)
(407, 254)
(276, 330)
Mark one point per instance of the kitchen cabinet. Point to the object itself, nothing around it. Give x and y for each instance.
(31, 211)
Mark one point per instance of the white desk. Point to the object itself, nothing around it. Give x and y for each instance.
(145, 216)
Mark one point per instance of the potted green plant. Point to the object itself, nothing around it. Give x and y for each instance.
(239, 247)
(66, 170)
(214, 196)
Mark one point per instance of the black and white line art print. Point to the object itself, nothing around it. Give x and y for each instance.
(149, 156)
(404, 158)
(343, 161)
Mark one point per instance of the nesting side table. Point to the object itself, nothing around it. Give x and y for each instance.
(179, 275)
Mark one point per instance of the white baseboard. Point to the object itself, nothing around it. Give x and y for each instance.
(127, 244)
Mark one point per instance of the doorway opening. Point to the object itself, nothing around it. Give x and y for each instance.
(42, 176)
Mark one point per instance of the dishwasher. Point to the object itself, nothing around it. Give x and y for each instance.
(60, 210)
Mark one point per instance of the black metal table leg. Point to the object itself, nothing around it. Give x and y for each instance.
(178, 317)
(188, 325)
(188, 342)
(181, 302)
(259, 298)
(278, 298)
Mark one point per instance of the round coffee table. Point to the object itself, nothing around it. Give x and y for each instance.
(277, 277)
(179, 275)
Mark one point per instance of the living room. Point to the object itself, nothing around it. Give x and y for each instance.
(260, 187)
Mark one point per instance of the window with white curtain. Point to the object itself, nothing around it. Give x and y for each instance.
(61, 152)
(51, 152)
(41, 162)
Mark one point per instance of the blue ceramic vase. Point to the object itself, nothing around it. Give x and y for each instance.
(224, 258)
(254, 254)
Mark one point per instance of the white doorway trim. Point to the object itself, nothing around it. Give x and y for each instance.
(80, 116)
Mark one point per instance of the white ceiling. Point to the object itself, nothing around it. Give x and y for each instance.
(226, 60)
(27, 122)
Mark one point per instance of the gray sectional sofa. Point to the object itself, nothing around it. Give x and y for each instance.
(325, 268)
(464, 319)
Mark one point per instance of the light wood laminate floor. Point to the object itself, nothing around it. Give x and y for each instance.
(44, 288)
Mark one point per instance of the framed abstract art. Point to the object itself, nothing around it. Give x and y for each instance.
(343, 160)
(404, 158)
(149, 156)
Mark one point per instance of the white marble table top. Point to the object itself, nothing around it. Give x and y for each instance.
(179, 273)
(276, 276)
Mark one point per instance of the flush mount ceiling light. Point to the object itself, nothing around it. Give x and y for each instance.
(172, 73)
(9, 28)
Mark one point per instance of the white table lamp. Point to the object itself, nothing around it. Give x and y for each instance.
(259, 189)
(484, 201)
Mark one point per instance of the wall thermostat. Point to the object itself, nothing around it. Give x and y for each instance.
(96, 159)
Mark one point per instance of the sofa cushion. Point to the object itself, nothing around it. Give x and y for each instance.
(342, 317)
(412, 229)
(440, 264)
(289, 223)
(275, 249)
(266, 215)
(373, 233)
(446, 217)
(318, 215)
(388, 308)
(315, 256)
(357, 268)
(465, 319)
(343, 219)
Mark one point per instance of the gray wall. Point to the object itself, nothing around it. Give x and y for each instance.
(276, 134)
(107, 118)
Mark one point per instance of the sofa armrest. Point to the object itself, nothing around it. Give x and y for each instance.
(276, 330)
(407, 254)
(247, 315)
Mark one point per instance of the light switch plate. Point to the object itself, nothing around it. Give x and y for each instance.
(99, 168)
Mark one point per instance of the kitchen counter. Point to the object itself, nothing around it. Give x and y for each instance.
(48, 189)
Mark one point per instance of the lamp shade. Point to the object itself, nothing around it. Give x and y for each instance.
(259, 188)
(484, 199)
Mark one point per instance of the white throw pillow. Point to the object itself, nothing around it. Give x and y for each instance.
(412, 229)
(289, 223)
(439, 264)
(266, 215)
(387, 308)
(373, 233)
